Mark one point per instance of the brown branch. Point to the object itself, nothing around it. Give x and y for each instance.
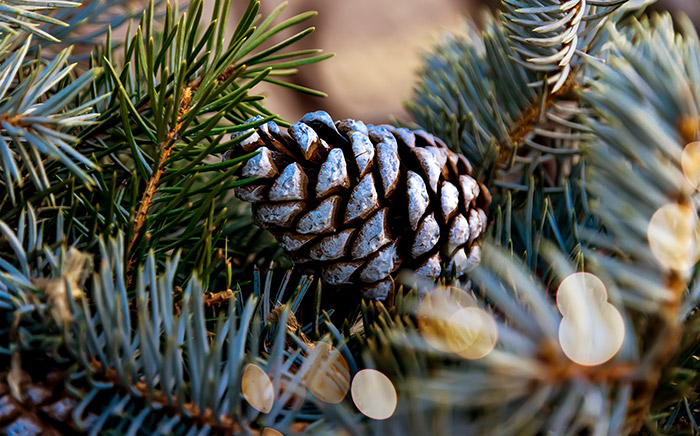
(209, 299)
(16, 120)
(529, 120)
(165, 148)
(688, 128)
(188, 412)
(293, 326)
(560, 370)
(217, 298)
(666, 342)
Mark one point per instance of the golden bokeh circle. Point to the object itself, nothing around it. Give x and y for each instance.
(474, 333)
(690, 163)
(374, 394)
(674, 236)
(326, 373)
(592, 330)
(434, 312)
(257, 389)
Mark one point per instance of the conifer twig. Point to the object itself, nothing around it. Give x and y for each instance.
(560, 370)
(166, 147)
(666, 342)
(219, 425)
(529, 120)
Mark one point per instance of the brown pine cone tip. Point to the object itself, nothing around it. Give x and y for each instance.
(356, 201)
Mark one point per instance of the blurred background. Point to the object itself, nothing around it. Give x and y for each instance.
(378, 46)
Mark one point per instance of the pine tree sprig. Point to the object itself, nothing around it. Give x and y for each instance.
(152, 149)
(625, 137)
(175, 354)
(32, 117)
(165, 148)
(640, 82)
(473, 105)
(551, 35)
(19, 16)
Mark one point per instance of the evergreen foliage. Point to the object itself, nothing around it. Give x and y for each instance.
(125, 262)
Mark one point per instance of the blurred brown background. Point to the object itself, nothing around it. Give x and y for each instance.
(378, 46)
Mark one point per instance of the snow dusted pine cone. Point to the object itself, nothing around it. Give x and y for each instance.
(356, 202)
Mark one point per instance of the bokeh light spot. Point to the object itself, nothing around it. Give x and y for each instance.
(690, 163)
(257, 388)
(592, 330)
(674, 236)
(373, 394)
(473, 334)
(326, 373)
(434, 313)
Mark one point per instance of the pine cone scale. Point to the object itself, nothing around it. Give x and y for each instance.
(290, 185)
(322, 219)
(388, 163)
(418, 199)
(332, 247)
(333, 175)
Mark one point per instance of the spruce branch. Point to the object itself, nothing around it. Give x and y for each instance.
(19, 16)
(173, 384)
(552, 35)
(34, 117)
(524, 384)
(164, 148)
(648, 79)
(182, 379)
(485, 93)
(475, 94)
(634, 114)
(153, 172)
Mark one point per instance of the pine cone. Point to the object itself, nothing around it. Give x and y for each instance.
(356, 201)
(44, 407)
